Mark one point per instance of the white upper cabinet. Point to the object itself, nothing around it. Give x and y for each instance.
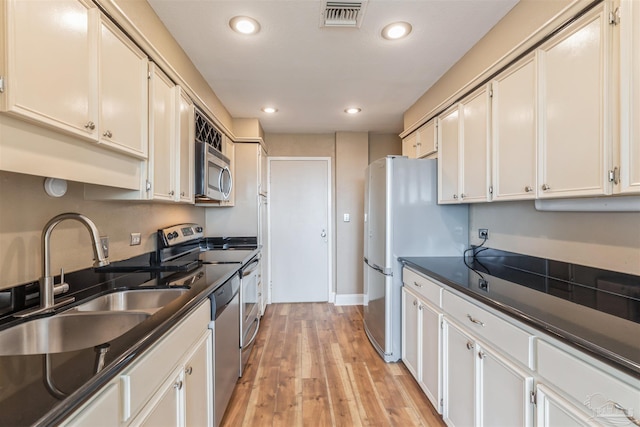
(410, 145)
(69, 68)
(448, 135)
(186, 129)
(123, 74)
(629, 166)
(573, 109)
(474, 146)
(49, 74)
(513, 113)
(162, 137)
(427, 139)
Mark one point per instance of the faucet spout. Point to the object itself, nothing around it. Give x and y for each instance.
(47, 285)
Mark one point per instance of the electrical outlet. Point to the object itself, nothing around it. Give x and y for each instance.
(483, 233)
(135, 239)
(104, 243)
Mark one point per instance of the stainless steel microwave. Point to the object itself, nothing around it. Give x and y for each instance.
(213, 177)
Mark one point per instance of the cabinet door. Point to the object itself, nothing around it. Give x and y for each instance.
(513, 112)
(50, 75)
(123, 92)
(162, 136)
(630, 97)
(459, 377)
(186, 126)
(573, 130)
(167, 406)
(410, 333)
(430, 350)
(198, 388)
(504, 392)
(410, 146)
(101, 410)
(552, 410)
(474, 158)
(427, 139)
(448, 135)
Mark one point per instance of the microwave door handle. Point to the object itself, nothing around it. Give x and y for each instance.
(225, 192)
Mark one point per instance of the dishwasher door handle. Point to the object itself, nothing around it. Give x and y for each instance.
(255, 334)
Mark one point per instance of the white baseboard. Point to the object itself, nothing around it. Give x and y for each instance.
(349, 299)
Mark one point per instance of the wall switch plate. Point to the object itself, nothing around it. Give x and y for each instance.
(135, 239)
(347, 217)
(483, 233)
(104, 243)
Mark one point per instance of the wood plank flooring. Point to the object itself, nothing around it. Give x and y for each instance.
(312, 365)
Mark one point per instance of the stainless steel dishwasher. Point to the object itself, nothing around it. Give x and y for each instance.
(225, 312)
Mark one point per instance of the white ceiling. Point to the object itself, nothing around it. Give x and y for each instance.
(312, 73)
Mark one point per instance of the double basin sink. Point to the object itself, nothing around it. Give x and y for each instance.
(89, 324)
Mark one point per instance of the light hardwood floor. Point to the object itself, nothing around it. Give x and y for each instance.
(313, 365)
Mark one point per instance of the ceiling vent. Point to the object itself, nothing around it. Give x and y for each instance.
(343, 14)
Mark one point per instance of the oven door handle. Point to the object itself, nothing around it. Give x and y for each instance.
(255, 334)
(248, 271)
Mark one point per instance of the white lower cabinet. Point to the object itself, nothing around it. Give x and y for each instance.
(480, 387)
(171, 384)
(421, 344)
(553, 410)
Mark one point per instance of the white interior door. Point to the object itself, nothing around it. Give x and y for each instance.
(299, 209)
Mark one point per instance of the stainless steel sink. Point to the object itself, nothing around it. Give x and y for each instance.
(67, 332)
(147, 300)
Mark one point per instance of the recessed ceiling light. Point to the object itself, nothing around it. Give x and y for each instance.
(396, 30)
(352, 110)
(269, 110)
(244, 25)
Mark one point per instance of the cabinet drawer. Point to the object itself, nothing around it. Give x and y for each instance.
(422, 286)
(141, 381)
(509, 339)
(586, 383)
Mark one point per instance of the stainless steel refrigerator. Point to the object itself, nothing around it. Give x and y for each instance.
(402, 218)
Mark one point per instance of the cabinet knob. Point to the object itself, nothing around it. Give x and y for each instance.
(462, 196)
(171, 193)
(107, 134)
(481, 355)
(546, 187)
(415, 302)
(90, 125)
(189, 370)
(178, 385)
(455, 196)
(528, 189)
(469, 345)
(182, 193)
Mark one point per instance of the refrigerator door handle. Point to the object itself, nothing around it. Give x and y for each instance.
(378, 268)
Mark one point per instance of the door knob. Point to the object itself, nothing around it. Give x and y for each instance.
(323, 234)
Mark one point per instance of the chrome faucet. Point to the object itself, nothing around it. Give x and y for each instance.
(47, 286)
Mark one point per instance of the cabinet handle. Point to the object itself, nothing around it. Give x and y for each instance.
(546, 187)
(469, 345)
(90, 125)
(107, 134)
(528, 189)
(189, 370)
(476, 321)
(455, 196)
(178, 385)
(417, 284)
(626, 413)
(481, 355)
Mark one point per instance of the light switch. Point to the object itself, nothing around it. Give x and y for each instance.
(347, 217)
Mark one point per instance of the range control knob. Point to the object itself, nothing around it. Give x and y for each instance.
(198, 229)
(173, 235)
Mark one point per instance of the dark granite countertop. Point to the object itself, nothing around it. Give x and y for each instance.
(594, 310)
(24, 399)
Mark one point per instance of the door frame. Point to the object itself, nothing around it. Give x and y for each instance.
(331, 293)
